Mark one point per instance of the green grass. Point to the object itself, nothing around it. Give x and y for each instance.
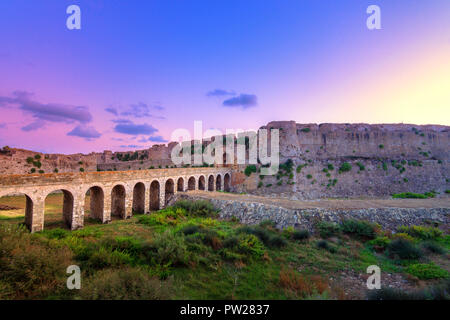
(185, 252)
(411, 195)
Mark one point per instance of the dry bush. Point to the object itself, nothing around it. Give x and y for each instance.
(300, 285)
(125, 284)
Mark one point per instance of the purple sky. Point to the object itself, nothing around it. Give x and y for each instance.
(137, 70)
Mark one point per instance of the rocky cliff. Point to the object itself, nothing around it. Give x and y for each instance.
(355, 160)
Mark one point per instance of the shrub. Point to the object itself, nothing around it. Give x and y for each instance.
(37, 156)
(426, 271)
(403, 249)
(386, 293)
(190, 229)
(231, 242)
(323, 244)
(250, 169)
(411, 195)
(125, 284)
(380, 243)
(251, 245)
(268, 185)
(309, 176)
(261, 233)
(403, 236)
(447, 191)
(305, 130)
(202, 208)
(33, 170)
(361, 166)
(328, 229)
(302, 286)
(277, 241)
(381, 146)
(267, 224)
(81, 169)
(260, 184)
(30, 160)
(300, 235)
(169, 249)
(433, 247)
(358, 228)
(420, 232)
(330, 167)
(345, 167)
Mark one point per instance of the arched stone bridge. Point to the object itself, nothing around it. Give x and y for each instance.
(116, 193)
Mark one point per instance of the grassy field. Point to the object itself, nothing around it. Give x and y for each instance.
(185, 252)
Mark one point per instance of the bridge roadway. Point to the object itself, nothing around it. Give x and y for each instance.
(112, 193)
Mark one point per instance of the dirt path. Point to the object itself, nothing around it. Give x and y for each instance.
(330, 203)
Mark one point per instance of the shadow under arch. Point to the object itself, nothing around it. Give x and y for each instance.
(118, 194)
(191, 183)
(139, 198)
(201, 183)
(154, 195)
(227, 182)
(96, 203)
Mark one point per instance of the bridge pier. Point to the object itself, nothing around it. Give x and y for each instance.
(35, 221)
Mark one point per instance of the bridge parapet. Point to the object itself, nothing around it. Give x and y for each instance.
(116, 193)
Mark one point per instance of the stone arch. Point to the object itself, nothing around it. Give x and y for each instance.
(211, 183)
(191, 183)
(154, 195)
(180, 184)
(218, 182)
(118, 194)
(27, 203)
(96, 202)
(139, 198)
(201, 183)
(226, 182)
(169, 190)
(67, 207)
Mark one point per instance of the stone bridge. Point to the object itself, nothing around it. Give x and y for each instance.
(116, 193)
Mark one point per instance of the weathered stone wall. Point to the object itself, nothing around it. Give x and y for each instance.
(389, 218)
(396, 158)
(379, 179)
(15, 162)
(134, 165)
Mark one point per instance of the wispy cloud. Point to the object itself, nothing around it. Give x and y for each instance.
(87, 132)
(142, 110)
(112, 110)
(135, 129)
(243, 101)
(220, 93)
(132, 146)
(153, 139)
(54, 112)
(33, 126)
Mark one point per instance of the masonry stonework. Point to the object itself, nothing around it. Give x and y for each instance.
(112, 193)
